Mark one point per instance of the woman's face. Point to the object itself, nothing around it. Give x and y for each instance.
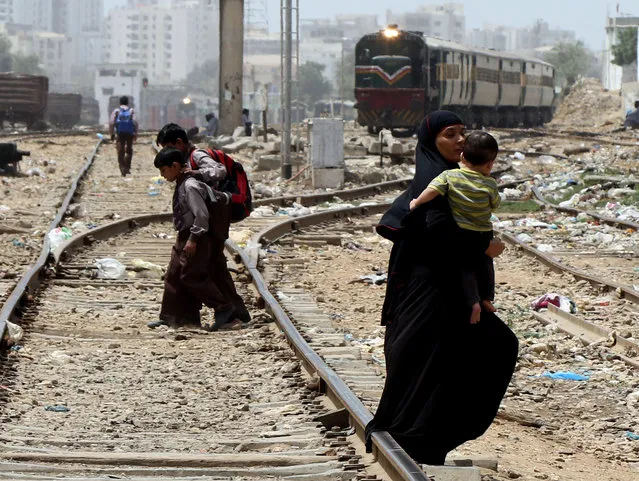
(450, 142)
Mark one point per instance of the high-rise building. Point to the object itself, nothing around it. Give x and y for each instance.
(6, 11)
(168, 39)
(34, 13)
(444, 21)
(81, 21)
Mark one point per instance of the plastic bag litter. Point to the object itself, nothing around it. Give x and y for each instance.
(523, 237)
(109, 268)
(565, 376)
(573, 201)
(545, 248)
(519, 156)
(35, 172)
(57, 236)
(240, 237)
(13, 334)
(562, 302)
(147, 268)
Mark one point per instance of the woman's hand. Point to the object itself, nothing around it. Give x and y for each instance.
(495, 248)
(189, 248)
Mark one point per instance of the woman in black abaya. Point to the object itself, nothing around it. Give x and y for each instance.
(445, 378)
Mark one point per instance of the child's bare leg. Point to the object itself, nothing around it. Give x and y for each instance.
(488, 306)
(475, 313)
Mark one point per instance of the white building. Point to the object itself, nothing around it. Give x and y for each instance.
(116, 80)
(6, 11)
(81, 21)
(169, 39)
(50, 48)
(445, 21)
(34, 13)
(614, 75)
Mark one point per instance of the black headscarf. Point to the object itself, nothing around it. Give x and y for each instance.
(429, 163)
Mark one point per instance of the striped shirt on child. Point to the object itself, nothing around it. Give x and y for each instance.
(472, 197)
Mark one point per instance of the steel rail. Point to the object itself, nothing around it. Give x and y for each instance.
(397, 464)
(32, 279)
(574, 211)
(560, 267)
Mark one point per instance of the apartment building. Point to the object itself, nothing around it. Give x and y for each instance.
(6, 11)
(443, 21)
(168, 38)
(50, 48)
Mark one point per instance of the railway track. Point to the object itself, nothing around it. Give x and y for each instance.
(115, 406)
(95, 329)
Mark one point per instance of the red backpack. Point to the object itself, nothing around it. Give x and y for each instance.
(236, 183)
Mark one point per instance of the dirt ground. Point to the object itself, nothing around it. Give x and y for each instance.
(583, 425)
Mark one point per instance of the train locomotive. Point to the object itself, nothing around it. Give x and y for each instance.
(401, 75)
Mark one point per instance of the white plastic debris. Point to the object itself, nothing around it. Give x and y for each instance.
(57, 236)
(523, 237)
(545, 248)
(14, 333)
(109, 268)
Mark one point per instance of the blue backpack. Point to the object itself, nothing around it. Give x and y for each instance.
(124, 122)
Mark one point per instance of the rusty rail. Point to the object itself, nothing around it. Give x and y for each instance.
(32, 279)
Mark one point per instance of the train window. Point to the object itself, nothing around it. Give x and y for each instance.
(512, 63)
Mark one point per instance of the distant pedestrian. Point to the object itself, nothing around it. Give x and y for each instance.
(632, 119)
(211, 125)
(123, 127)
(248, 125)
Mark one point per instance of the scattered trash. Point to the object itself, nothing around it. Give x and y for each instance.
(632, 436)
(13, 333)
(100, 136)
(240, 237)
(525, 238)
(518, 156)
(109, 268)
(77, 211)
(35, 172)
(57, 408)
(57, 237)
(17, 243)
(153, 192)
(147, 269)
(545, 248)
(562, 302)
(565, 376)
(373, 279)
(162, 235)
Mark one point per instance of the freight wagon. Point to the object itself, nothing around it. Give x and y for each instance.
(400, 76)
(23, 98)
(90, 114)
(64, 110)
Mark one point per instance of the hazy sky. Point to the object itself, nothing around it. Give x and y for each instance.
(585, 17)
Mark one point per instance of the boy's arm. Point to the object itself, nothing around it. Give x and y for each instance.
(195, 198)
(495, 198)
(438, 186)
(427, 195)
(211, 170)
(112, 122)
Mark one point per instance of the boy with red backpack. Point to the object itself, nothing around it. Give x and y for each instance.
(123, 126)
(199, 165)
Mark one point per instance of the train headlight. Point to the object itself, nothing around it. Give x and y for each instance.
(391, 31)
(186, 101)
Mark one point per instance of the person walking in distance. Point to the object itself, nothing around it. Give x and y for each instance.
(123, 127)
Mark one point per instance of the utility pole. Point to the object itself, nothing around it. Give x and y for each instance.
(286, 24)
(231, 64)
(341, 82)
